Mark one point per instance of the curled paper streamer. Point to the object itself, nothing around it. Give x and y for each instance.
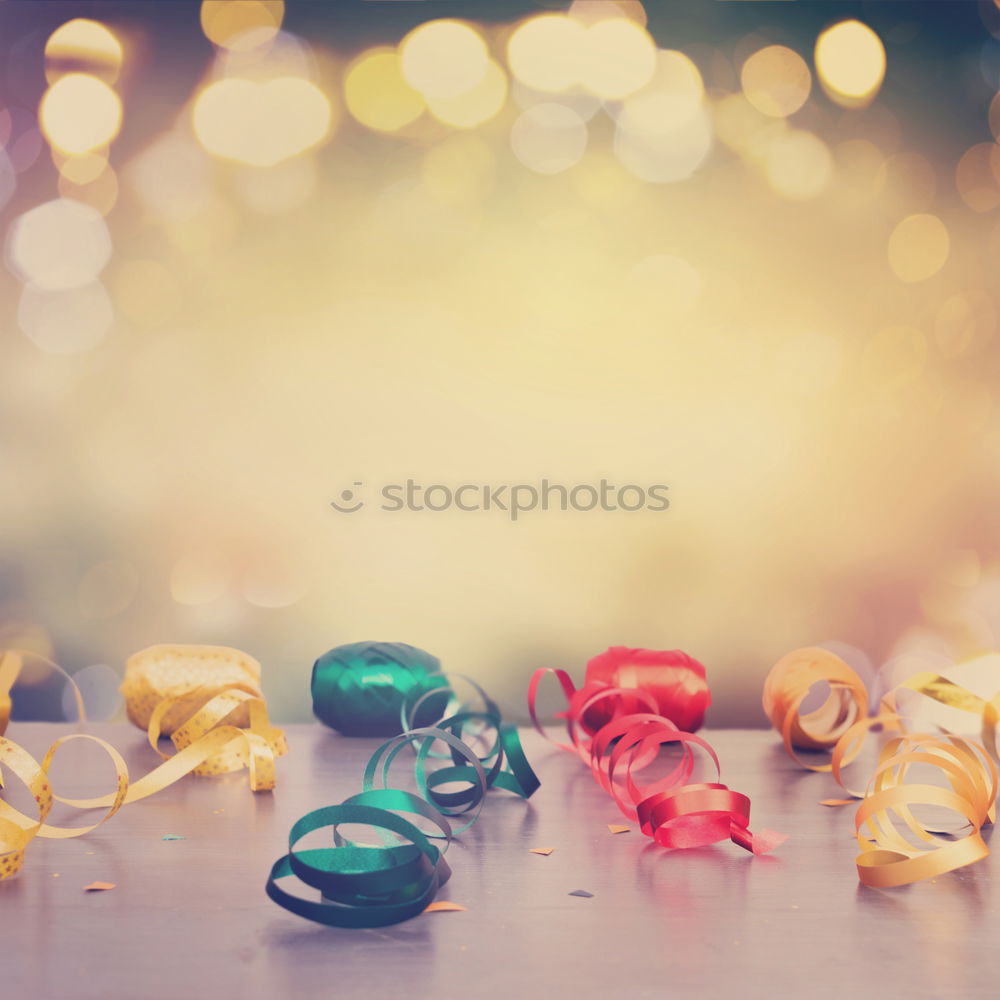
(216, 685)
(672, 810)
(841, 725)
(360, 689)
(365, 885)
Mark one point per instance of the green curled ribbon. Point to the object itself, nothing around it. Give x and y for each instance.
(365, 885)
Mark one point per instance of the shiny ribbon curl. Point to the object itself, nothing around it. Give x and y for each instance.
(841, 724)
(158, 682)
(672, 811)
(365, 885)
(887, 857)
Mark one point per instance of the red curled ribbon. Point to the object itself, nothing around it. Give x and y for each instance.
(670, 810)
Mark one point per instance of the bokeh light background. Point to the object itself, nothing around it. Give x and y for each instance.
(257, 252)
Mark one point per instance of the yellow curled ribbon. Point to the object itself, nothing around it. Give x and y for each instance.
(887, 857)
(842, 723)
(207, 698)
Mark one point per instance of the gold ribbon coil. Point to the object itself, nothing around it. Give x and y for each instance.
(206, 698)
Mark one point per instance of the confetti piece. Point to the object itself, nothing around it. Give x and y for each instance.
(581, 892)
(837, 802)
(98, 886)
(443, 905)
(172, 836)
(614, 828)
(541, 850)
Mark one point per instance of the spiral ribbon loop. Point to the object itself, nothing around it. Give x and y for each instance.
(204, 694)
(366, 885)
(887, 857)
(672, 810)
(841, 725)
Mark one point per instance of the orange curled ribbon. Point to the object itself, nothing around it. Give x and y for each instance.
(207, 698)
(672, 810)
(842, 723)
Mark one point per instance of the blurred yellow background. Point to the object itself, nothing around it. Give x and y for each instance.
(251, 270)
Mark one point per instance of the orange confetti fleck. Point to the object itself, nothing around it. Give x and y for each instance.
(541, 850)
(98, 886)
(836, 802)
(613, 828)
(442, 906)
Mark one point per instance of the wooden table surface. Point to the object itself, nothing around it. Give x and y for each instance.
(189, 918)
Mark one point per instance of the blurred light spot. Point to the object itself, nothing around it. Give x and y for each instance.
(477, 105)
(850, 61)
(549, 138)
(589, 11)
(99, 688)
(145, 292)
(660, 151)
(776, 81)
(895, 356)
(619, 58)
(994, 116)
(65, 322)
(664, 284)
(277, 189)
(83, 46)
(61, 244)
(737, 122)
(81, 169)
(80, 113)
(907, 183)
(586, 105)
(271, 587)
(461, 170)
(918, 247)
(8, 179)
(674, 95)
(376, 93)
(809, 362)
(100, 193)
(545, 52)
(799, 165)
(200, 577)
(976, 177)
(107, 589)
(965, 323)
(443, 58)
(241, 24)
(173, 177)
(261, 123)
(611, 57)
(284, 54)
